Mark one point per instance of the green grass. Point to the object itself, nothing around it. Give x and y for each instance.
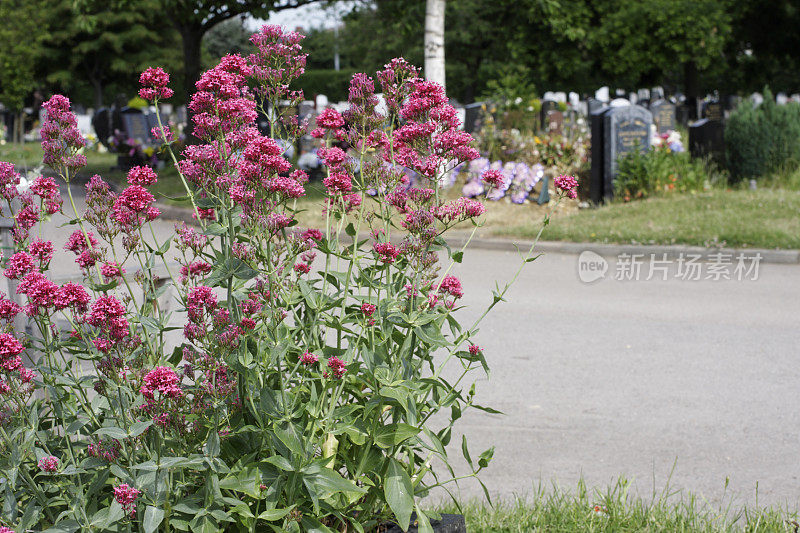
(617, 511)
(765, 218)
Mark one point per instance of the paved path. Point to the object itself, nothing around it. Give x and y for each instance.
(628, 378)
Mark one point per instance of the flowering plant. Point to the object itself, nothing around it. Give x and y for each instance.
(297, 389)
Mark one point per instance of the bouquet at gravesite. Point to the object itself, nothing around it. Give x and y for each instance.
(298, 382)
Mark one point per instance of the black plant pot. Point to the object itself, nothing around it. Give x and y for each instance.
(450, 523)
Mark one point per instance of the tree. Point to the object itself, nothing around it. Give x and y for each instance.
(22, 34)
(434, 41)
(229, 37)
(99, 46)
(193, 18)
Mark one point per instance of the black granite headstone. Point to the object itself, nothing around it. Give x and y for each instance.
(136, 126)
(101, 121)
(472, 117)
(547, 107)
(713, 111)
(596, 181)
(625, 129)
(707, 139)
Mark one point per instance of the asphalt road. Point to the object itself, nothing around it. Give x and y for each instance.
(631, 378)
(628, 378)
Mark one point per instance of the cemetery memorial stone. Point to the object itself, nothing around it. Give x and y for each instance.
(602, 94)
(555, 122)
(593, 104)
(596, 181)
(707, 139)
(620, 102)
(682, 113)
(136, 125)
(643, 97)
(713, 111)
(547, 107)
(663, 115)
(101, 121)
(472, 117)
(626, 129)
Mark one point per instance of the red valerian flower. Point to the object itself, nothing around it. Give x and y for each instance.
(337, 366)
(126, 495)
(568, 185)
(154, 82)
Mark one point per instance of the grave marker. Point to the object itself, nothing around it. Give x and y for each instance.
(625, 129)
(663, 115)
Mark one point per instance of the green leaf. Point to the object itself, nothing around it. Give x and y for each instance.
(458, 256)
(393, 434)
(465, 451)
(275, 514)
(423, 524)
(140, 427)
(211, 448)
(350, 230)
(113, 432)
(152, 518)
(397, 490)
(485, 457)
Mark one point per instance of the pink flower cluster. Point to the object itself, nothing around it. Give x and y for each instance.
(567, 185)
(126, 495)
(108, 315)
(48, 464)
(163, 380)
(277, 62)
(337, 367)
(154, 82)
(308, 358)
(61, 139)
(105, 449)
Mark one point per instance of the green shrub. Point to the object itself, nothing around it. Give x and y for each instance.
(659, 171)
(332, 83)
(763, 139)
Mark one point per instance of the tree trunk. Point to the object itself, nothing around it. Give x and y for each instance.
(98, 93)
(434, 41)
(192, 38)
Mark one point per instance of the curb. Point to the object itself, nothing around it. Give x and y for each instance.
(672, 252)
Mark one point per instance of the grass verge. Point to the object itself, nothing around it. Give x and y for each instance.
(556, 510)
(765, 218)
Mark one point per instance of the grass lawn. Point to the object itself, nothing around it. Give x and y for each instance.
(554, 510)
(765, 218)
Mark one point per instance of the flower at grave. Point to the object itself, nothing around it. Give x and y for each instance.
(567, 185)
(337, 366)
(48, 464)
(126, 495)
(154, 82)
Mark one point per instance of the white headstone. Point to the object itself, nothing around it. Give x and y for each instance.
(560, 96)
(633, 97)
(602, 94)
(322, 102)
(85, 124)
(381, 108)
(549, 95)
(574, 99)
(757, 99)
(619, 102)
(796, 97)
(781, 99)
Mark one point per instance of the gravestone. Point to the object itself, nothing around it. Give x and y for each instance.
(713, 111)
(101, 121)
(626, 129)
(135, 125)
(602, 94)
(574, 99)
(620, 102)
(547, 107)
(663, 115)
(472, 117)
(707, 139)
(554, 122)
(593, 104)
(305, 109)
(596, 181)
(781, 99)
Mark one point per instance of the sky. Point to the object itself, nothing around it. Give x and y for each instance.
(309, 16)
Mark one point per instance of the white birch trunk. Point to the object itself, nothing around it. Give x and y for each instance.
(434, 41)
